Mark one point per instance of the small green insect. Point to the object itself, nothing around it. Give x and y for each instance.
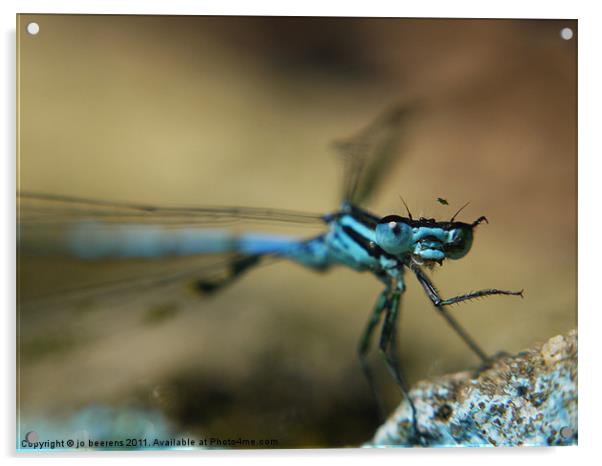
(442, 201)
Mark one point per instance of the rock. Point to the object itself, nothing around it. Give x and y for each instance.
(526, 399)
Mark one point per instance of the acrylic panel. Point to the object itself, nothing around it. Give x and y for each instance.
(269, 232)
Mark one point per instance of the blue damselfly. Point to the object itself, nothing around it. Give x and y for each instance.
(386, 246)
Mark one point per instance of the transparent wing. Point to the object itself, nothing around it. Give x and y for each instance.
(47, 280)
(68, 307)
(43, 208)
(73, 250)
(369, 154)
(95, 229)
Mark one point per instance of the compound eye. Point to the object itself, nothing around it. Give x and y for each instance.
(393, 235)
(459, 243)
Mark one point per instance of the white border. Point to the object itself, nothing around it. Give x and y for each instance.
(590, 199)
(440, 8)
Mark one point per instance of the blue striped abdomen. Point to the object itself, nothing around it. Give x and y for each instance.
(95, 240)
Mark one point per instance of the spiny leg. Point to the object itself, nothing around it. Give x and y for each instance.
(312, 253)
(433, 295)
(393, 344)
(475, 295)
(364, 346)
(234, 270)
(387, 334)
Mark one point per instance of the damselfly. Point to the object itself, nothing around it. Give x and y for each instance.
(386, 246)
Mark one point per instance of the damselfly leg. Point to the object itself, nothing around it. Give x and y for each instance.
(387, 347)
(234, 270)
(439, 304)
(364, 346)
(388, 303)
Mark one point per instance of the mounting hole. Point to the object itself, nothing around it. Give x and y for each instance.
(566, 33)
(566, 432)
(33, 28)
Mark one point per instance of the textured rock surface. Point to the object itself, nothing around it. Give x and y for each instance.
(526, 399)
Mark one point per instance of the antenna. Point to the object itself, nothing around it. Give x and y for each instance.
(459, 210)
(407, 208)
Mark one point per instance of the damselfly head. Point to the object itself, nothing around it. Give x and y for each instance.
(425, 240)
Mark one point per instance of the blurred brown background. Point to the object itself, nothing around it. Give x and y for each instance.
(242, 111)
